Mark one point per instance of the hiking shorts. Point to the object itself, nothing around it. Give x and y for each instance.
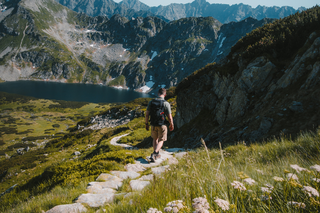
(159, 132)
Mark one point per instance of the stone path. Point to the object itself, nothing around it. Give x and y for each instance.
(104, 189)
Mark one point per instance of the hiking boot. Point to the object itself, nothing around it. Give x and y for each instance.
(152, 157)
(156, 156)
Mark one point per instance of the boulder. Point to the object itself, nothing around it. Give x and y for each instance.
(20, 151)
(296, 106)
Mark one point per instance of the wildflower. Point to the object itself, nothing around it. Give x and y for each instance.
(238, 185)
(168, 209)
(310, 191)
(266, 190)
(297, 204)
(153, 210)
(249, 181)
(315, 167)
(278, 179)
(298, 168)
(260, 171)
(223, 204)
(269, 186)
(201, 205)
(174, 206)
(292, 176)
(316, 180)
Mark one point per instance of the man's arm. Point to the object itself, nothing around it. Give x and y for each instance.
(147, 120)
(171, 127)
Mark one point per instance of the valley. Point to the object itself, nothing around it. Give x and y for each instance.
(243, 98)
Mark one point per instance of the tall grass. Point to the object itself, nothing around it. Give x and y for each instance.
(210, 174)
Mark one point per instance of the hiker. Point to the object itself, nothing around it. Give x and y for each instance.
(158, 109)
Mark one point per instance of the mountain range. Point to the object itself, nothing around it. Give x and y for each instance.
(41, 39)
(198, 8)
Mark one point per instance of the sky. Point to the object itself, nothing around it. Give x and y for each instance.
(253, 3)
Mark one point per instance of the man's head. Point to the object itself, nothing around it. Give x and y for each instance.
(162, 91)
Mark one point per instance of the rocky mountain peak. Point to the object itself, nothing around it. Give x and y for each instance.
(199, 2)
(135, 4)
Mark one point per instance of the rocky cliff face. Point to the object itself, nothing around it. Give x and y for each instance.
(251, 101)
(51, 42)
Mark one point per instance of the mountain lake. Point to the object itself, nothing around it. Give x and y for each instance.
(71, 92)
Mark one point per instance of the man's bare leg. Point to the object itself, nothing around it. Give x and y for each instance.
(157, 145)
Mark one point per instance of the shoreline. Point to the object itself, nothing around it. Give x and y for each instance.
(64, 81)
(80, 92)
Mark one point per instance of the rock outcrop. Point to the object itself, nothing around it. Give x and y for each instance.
(255, 101)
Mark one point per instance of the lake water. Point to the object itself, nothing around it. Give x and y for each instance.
(71, 92)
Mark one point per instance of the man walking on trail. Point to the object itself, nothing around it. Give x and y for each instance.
(158, 109)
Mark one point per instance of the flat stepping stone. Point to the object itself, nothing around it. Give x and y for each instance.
(180, 154)
(107, 177)
(159, 170)
(113, 184)
(138, 185)
(96, 200)
(164, 156)
(97, 189)
(125, 175)
(134, 167)
(147, 177)
(68, 208)
(173, 160)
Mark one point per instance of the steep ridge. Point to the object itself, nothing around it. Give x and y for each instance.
(267, 86)
(225, 13)
(107, 8)
(44, 40)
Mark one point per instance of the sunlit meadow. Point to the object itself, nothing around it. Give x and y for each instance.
(275, 176)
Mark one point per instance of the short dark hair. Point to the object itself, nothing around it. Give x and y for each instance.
(162, 91)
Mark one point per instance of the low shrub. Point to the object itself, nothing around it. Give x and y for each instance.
(21, 160)
(8, 130)
(25, 132)
(20, 145)
(28, 166)
(67, 104)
